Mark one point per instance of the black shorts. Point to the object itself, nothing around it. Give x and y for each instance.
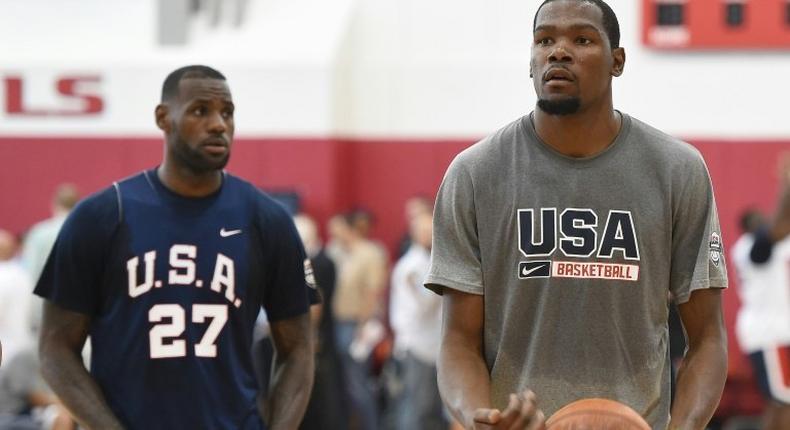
(772, 370)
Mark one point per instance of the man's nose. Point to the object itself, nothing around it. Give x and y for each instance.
(560, 54)
(217, 124)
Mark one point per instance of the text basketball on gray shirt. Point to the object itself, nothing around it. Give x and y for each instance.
(575, 258)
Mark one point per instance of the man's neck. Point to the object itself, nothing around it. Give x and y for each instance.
(583, 134)
(187, 183)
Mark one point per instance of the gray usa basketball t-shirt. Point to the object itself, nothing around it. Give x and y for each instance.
(576, 258)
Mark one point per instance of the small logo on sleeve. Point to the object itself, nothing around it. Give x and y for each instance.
(715, 248)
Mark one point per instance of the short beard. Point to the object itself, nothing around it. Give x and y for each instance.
(196, 162)
(566, 106)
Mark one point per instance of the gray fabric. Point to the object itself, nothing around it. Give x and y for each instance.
(18, 379)
(19, 422)
(568, 338)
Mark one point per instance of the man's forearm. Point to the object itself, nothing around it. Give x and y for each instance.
(464, 382)
(67, 377)
(292, 382)
(700, 382)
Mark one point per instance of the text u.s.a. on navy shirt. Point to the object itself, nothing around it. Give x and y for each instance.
(173, 286)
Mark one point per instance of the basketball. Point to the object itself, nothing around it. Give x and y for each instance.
(596, 414)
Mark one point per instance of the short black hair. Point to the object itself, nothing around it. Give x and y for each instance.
(610, 23)
(751, 220)
(170, 87)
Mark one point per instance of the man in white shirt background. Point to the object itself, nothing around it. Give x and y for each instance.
(416, 317)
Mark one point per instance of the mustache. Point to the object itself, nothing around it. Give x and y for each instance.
(556, 68)
(215, 140)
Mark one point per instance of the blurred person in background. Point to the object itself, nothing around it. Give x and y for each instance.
(362, 220)
(762, 261)
(338, 230)
(414, 207)
(328, 402)
(39, 240)
(26, 402)
(15, 297)
(416, 318)
(357, 307)
(167, 271)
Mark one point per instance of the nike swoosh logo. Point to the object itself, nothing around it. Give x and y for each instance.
(226, 233)
(526, 272)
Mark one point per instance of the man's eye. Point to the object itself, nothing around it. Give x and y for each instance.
(227, 114)
(583, 40)
(543, 42)
(199, 111)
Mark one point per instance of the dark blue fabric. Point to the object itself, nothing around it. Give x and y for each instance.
(762, 248)
(761, 372)
(242, 241)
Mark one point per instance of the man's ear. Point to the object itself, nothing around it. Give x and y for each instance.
(162, 116)
(619, 61)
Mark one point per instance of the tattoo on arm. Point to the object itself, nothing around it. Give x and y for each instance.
(63, 335)
(292, 371)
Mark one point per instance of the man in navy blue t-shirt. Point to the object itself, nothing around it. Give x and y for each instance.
(167, 271)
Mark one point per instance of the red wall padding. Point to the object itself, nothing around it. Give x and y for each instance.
(333, 175)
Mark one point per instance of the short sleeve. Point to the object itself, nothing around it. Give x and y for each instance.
(74, 270)
(697, 246)
(455, 251)
(291, 288)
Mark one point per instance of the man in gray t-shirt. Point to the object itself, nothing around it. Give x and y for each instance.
(558, 240)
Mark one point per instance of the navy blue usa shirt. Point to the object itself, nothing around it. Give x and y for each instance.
(173, 286)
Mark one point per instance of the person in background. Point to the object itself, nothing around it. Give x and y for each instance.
(414, 207)
(39, 240)
(762, 261)
(362, 220)
(328, 402)
(416, 319)
(357, 308)
(26, 402)
(15, 295)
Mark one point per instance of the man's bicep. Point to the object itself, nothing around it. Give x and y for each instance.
(462, 318)
(702, 315)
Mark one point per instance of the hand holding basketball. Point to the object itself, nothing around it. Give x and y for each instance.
(522, 413)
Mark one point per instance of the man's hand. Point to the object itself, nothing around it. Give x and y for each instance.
(522, 413)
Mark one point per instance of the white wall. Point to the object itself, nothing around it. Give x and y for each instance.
(450, 67)
(368, 68)
(279, 66)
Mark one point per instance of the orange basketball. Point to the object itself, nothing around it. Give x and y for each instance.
(596, 414)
